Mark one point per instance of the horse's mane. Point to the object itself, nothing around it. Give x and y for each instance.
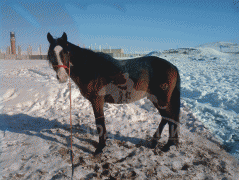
(89, 53)
(93, 63)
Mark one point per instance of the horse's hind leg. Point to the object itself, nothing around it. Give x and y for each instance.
(173, 123)
(170, 115)
(98, 104)
(175, 110)
(157, 134)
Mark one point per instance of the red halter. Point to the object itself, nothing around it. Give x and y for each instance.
(62, 66)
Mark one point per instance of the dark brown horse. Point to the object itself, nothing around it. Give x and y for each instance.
(102, 78)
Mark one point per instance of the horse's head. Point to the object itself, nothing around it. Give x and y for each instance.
(59, 56)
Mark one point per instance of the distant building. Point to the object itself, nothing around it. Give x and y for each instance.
(112, 52)
(38, 57)
(19, 51)
(13, 43)
(2, 56)
(29, 51)
(8, 50)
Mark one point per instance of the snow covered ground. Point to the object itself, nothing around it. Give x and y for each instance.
(35, 134)
(210, 87)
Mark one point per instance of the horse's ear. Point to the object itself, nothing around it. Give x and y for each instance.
(50, 38)
(64, 37)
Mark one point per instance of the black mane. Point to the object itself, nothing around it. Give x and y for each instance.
(96, 63)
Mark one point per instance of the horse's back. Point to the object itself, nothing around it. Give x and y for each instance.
(153, 65)
(156, 69)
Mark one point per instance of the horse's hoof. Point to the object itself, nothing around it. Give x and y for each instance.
(99, 150)
(167, 146)
(153, 144)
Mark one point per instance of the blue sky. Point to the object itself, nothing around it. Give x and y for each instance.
(134, 25)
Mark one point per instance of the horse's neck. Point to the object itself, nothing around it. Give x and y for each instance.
(78, 59)
(79, 54)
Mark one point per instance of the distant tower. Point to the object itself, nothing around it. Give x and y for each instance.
(13, 43)
(19, 50)
(39, 49)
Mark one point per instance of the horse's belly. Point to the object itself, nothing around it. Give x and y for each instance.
(126, 94)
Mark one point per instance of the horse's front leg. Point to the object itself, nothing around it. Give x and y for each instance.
(98, 104)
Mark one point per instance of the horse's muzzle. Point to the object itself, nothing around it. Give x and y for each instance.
(61, 75)
(61, 80)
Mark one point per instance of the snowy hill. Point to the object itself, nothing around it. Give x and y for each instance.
(154, 53)
(229, 47)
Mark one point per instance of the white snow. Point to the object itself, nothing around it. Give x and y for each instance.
(210, 87)
(35, 130)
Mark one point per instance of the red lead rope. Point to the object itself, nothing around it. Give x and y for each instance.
(71, 151)
(72, 155)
